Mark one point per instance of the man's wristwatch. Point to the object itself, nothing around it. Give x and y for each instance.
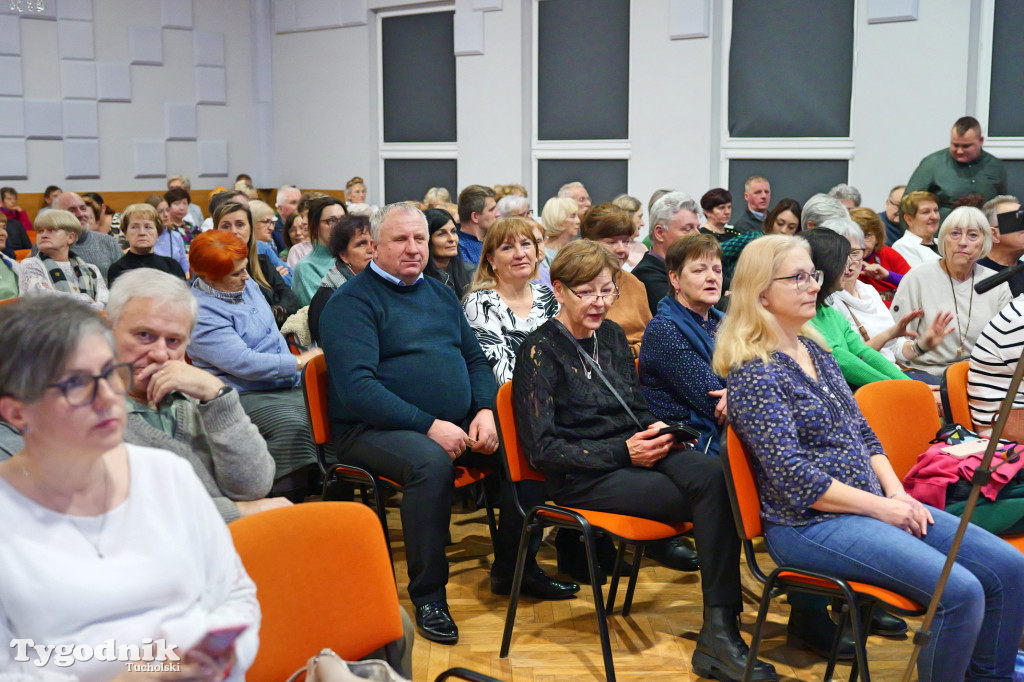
(224, 390)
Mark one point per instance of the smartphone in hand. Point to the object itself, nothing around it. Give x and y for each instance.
(682, 432)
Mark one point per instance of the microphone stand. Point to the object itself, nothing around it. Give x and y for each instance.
(981, 478)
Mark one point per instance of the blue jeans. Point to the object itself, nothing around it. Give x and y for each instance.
(980, 617)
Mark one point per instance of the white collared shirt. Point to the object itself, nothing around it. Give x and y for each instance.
(389, 277)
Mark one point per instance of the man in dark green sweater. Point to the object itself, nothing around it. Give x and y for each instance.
(964, 168)
(410, 392)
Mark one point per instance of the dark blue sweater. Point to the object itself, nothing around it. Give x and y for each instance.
(399, 357)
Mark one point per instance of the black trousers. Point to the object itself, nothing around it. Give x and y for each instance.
(684, 486)
(427, 474)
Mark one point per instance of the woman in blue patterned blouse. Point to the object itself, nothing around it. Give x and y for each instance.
(827, 487)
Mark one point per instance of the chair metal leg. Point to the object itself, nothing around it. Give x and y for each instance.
(755, 640)
(492, 524)
(844, 617)
(619, 558)
(530, 526)
(602, 622)
(860, 667)
(638, 554)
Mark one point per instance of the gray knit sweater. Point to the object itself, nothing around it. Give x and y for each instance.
(222, 444)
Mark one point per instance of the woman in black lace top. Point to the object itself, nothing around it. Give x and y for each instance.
(595, 456)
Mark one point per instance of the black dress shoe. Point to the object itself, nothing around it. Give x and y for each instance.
(816, 630)
(887, 625)
(436, 624)
(673, 553)
(535, 584)
(721, 653)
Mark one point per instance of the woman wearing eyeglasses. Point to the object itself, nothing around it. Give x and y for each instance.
(829, 497)
(116, 541)
(947, 285)
(600, 454)
(324, 214)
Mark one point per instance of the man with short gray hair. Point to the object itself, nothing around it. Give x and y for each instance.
(286, 202)
(757, 192)
(891, 215)
(673, 215)
(410, 395)
(1007, 247)
(578, 193)
(178, 407)
(848, 195)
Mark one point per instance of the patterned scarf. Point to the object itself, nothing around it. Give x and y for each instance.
(85, 283)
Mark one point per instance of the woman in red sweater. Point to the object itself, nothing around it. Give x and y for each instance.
(883, 266)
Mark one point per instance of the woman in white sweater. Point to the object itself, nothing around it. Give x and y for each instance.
(103, 541)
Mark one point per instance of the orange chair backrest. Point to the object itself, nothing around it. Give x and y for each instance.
(954, 392)
(903, 416)
(314, 389)
(518, 468)
(742, 485)
(323, 579)
(22, 254)
(31, 235)
(8, 300)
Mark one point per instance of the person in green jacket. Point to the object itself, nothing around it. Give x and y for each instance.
(964, 168)
(859, 363)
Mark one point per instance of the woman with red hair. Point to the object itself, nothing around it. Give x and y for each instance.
(237, 340)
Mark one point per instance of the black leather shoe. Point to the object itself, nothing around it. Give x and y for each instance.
(436, 624)
(673, 553)
(721, 653)
(816, 630)
(887, 625)
(535, 584)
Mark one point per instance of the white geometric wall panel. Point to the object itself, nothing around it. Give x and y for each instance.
(150, 159)
(176, 13)
(487, 5)
(689, 19)
(211, 85)
(10, 34)
(43, 119)
(49, 12)
(113, 82)
(146, 45)
(207, 48)
(13, 159)
(81, 159)
(213, 158)
(307, 15)
(885, 11)
(75, 40)
(77, 79)
(10, 76)
(80, 118)
(74, 9)
(180, 122)
(469, 33)
(12, 117)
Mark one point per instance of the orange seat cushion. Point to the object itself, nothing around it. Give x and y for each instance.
(883, 595)
(628, 527)
(1015, 540)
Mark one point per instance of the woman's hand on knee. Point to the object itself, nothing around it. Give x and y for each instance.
(904, 512)
(647, 448)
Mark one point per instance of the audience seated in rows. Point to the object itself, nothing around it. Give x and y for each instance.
(10, 269)
(352, 248)
(324, 214)
(119, 542)
(478, 209)
(597, 455)
(142, 228)
(236, 219)
(57, 270)
(673, 216)
(948, 284)
(236, 340)
(98, 249)
(829, 497)
(445, 263)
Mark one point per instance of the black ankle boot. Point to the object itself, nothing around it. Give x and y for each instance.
(816, 630)
(721, 652)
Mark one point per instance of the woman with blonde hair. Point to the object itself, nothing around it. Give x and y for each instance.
(437, 197)
(561, 220)
(826, 485)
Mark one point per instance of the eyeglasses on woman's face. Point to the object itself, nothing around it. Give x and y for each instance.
(609, 296)
(802, 280)
(81, 389)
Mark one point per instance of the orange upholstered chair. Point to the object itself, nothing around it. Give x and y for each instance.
(314, 389)
(902, 414)
(323, 581)
(628, 530)
(860, 597)
(954, 395)
(22, 254)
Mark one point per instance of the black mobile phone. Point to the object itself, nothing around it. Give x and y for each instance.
(682, 432)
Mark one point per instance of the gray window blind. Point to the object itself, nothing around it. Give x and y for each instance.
(791, 68)
(1015, 177)
(603, 178)
(1006, 98)
(793, 179)
(419, 78)
(409, 179)
(583, 70)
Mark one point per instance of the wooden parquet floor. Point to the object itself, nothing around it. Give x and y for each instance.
(557, 640)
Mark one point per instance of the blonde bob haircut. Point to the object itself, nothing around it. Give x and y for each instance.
(141, 212)
(500, 232)
(749, 331)
(58, 219)
(582, 261)
(965, 218)
(556, 211)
